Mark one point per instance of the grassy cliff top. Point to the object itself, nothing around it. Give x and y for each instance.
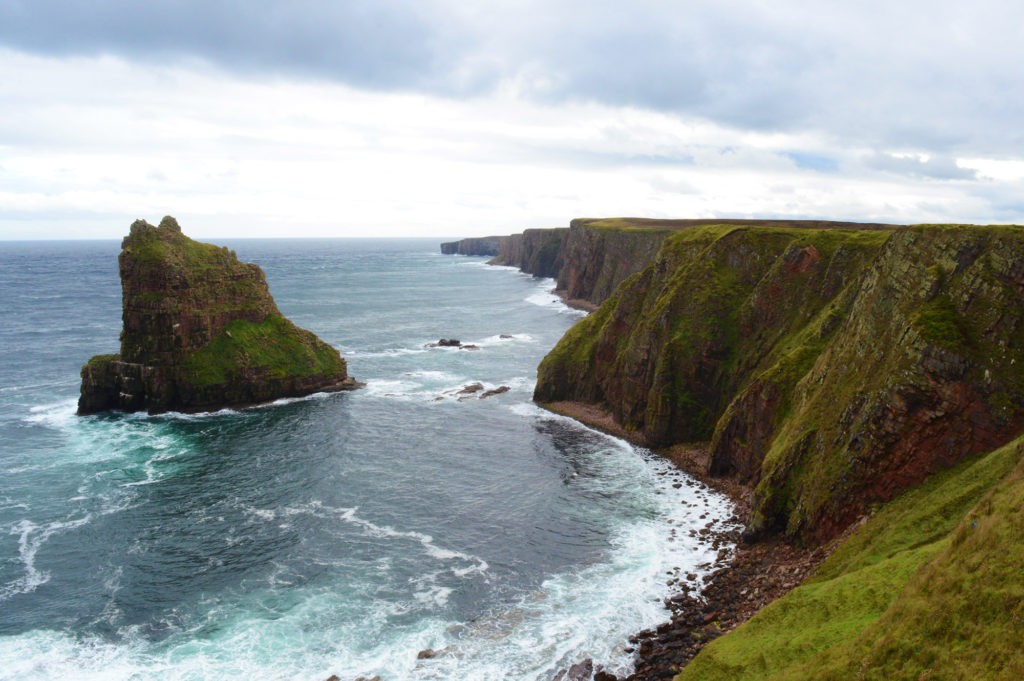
(678, 224)
(166, 246)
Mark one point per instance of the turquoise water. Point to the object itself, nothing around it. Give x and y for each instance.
(335, 534)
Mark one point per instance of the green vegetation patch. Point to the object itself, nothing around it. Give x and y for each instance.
(274, 348)
(928, 588)
(182, 251)
(100, 361)
(939, 322)
(166, 248)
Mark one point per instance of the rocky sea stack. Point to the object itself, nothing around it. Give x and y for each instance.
(201, 331)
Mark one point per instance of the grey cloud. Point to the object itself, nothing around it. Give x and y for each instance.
(936, 75)
(1004, 200)
(376, 44)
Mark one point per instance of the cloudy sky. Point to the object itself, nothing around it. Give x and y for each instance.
(455, 118)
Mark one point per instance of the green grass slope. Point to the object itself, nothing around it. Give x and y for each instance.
(931, 586)
(274, 349)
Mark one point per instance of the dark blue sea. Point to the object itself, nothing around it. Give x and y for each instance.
(335, 534)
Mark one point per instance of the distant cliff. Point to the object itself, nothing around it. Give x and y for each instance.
(598, 255)
(200, 332)
(830, 368)
(486, 245)
(592, 256)
(589, 259)
(535, 251)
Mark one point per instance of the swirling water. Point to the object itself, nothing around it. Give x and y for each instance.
(336, 534)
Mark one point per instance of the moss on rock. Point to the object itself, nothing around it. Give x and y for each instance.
(201, 331)
(830, 368)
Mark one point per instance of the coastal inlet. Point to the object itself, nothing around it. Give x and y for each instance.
(337, 534)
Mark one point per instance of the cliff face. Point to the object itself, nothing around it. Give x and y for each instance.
(597, 257)
(487, 245)
(201, 331)
(593, 256)
(535, 251)
(829, 368)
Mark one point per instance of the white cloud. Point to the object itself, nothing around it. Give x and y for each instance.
(89, 144)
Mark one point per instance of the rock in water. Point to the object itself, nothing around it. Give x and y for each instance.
(201, 332)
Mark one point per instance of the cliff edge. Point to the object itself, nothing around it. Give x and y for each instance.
(485, 245)
(201, 332)
(830, 369)
(535, 251)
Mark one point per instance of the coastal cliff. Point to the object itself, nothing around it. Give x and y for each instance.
(591, 257)
(588, 259)
(535, 251)
(486, 245)
(863, 390)
(830, 369)
(201, 332)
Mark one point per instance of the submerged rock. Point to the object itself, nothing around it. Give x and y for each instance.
(471, 388)
(497, 391)
(201, 332)
(452, 343)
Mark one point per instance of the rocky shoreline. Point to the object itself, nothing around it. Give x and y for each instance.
(575, 303)
(756, 576)
(751, 578)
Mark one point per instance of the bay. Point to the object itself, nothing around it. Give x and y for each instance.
(335, 534)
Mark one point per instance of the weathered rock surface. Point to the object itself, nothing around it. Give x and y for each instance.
(597, 257)
(445, 343)
(452, 343)
(830, 368)
(486, 245)
(200, 332)
(535, 251)
(593, 256)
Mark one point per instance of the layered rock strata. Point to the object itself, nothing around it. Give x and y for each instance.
(487, 245)
(201, 332)
(593, 256)
(535, 251)
(829, 368)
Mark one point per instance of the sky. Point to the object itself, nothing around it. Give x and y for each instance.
(334, 118)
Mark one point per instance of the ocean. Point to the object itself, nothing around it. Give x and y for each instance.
(336, 534)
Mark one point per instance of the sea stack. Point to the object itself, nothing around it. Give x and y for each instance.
(201, 332)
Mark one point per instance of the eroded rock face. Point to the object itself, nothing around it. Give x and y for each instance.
(485, 245)
(597, 259)
(593, 256)
(830, 369)
(200, 332)
(535, 251)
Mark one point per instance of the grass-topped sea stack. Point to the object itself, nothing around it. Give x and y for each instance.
(201, 332)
